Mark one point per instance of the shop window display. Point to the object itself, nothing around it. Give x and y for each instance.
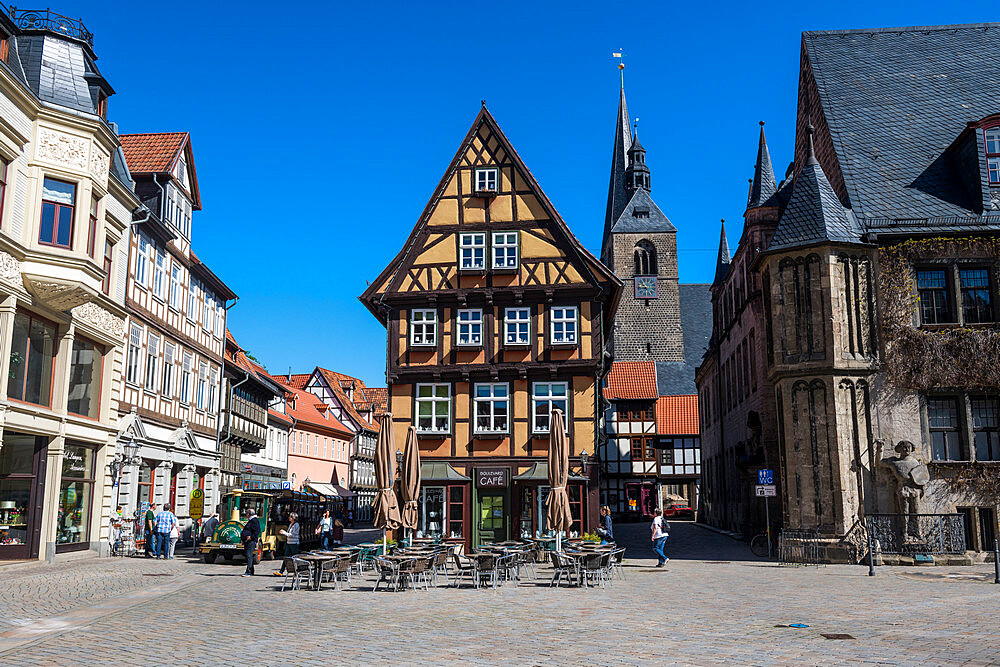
(21, 464)
(75, 494)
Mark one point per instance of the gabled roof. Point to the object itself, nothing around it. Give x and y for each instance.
(763, 190)
(617, 195)
(814, 214)
(152, 152)
(677, 415)
(631, 380)
(894, 100)
(307, 408)
(235, 356)
(652, 220)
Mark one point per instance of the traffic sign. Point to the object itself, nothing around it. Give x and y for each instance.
(196, 509)
(767, 490)
(765, 476)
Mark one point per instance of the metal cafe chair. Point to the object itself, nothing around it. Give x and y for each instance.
(388, 572)
(615, 564)
(562, 565)
(340, 572)
(507, 568)
(485, 569)
(297, 570)
(464, 567)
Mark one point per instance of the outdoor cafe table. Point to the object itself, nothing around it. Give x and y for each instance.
(318, 561)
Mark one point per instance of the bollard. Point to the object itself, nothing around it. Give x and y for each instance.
(996, 562)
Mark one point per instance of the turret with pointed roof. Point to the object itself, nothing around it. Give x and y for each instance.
(724, 259)
(763, 191)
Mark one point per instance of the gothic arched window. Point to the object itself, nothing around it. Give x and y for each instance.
(645, 258)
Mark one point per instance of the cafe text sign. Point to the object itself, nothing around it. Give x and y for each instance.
(487, 478)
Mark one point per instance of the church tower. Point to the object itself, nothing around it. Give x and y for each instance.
(640, 246)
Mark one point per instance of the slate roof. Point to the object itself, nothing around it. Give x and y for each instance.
(677, 415)
(617, 194)
(631, 380)
(724, 259)
(814, 214)
(58, 70)
(763, 190)
(895, 99)
(152, 152)
(676, 377)
(628, 222)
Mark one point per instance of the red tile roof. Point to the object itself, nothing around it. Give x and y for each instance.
(295, 380)
(308, 409)
(152, 153)
(378, 400)
(281, 417)
(631, 380)
(677, 415)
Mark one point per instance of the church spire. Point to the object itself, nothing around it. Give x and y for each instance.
(617, 194)
(763, 189)
(725, 259)
(637, 173)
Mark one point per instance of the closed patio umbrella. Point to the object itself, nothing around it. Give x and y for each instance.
(410, 486)
(559, 515)
(386, 507)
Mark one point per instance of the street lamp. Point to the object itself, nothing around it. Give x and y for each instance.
(399, 458)
(584, 458)
(129, 456)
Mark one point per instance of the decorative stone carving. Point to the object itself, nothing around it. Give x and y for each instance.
(910, 475)
(63, 148)
(99, 165)
(103, 319)
(10, 269)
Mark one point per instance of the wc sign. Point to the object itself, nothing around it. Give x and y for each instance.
(765, 477)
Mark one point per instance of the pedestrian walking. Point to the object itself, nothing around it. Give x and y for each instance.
(149, 525)
(165, 523)
(291, 540)
(324, 529)
(660, 532)
(337, 532)
(175, 535)
(249, 536)
(606, 530)
(208, 527)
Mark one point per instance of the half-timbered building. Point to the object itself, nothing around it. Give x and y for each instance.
(496, 315)
(176, 337)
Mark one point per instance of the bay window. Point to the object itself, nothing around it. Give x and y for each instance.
(58, 207)
(85, 379)
(433, 408)
(492, 407)
(470, 327)
(32, 352)
(546, 397)
(92, 227)
(109, 253)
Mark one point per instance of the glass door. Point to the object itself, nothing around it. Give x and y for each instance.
(22, 474)
(432, 519)
(492, 518)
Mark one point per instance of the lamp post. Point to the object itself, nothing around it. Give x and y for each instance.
(584, 458)
(128, 456)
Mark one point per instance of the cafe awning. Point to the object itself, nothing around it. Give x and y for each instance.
(330, 490)
(540, 472)
(437, 471)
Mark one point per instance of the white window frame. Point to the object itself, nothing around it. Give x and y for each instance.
(487, 179)
(169, 359)
(192, 309)
(513, 322)
(540, 397)
(213, 383)
(159, 273)
(186, 365)
(475, 246)
(134, 354)
(220, 318)
(466, 335)
(152, 360)
(200, 393)
(175, 286)
(427, 323)
(208, 313)
(491, 399)
(435, 401)
(142, 250)
(505, 241)
(564, 325)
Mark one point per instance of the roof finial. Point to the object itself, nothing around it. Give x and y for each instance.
(635, 124)
(621, 65)
(483, 103)
(811, 157)
(762, 123)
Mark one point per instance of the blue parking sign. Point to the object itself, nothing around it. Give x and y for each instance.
(765, 477)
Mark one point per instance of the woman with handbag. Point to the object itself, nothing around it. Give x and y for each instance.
(323, 530)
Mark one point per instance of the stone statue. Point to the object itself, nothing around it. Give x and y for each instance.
(911, 476)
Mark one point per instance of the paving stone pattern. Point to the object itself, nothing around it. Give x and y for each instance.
(713, 603)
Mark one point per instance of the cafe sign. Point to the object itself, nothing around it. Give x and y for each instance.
(492, 478)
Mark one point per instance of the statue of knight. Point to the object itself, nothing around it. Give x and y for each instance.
(911, 477)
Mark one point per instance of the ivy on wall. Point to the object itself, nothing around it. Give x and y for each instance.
(921, 359)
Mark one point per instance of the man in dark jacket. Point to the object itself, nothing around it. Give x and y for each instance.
(250, 536)
(149, 524)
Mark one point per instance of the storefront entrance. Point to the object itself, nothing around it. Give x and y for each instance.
(640, 500)
(76, 493)
(22, 488)
(491, 515)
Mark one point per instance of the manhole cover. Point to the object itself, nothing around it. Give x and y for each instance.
(836, 635)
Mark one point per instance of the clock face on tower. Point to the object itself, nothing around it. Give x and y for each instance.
(645, 287)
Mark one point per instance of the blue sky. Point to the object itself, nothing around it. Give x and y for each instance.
(320, 130)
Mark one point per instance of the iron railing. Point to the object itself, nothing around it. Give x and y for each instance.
(911, 534)
(46, 19)
(799, 546)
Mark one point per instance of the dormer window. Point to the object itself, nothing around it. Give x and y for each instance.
(102, 105)
(992, 135)
(640, 212)
(486, 179)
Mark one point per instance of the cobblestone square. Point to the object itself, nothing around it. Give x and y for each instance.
(713, 603)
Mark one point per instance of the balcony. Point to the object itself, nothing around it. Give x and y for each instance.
(46, 19)
(60, 285)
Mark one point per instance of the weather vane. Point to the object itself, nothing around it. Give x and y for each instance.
(621, 64)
